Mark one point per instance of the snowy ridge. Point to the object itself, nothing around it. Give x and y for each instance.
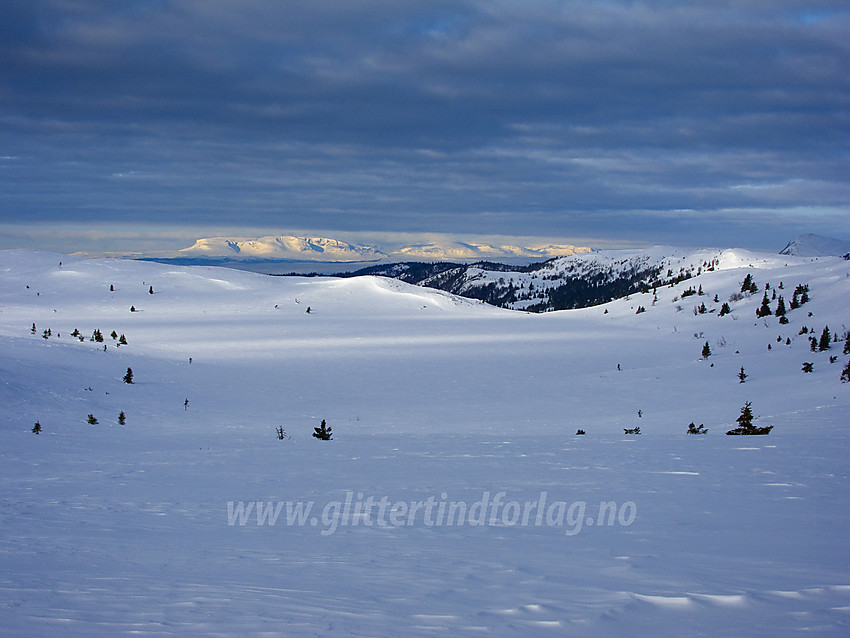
(811, 245)
(437, 404)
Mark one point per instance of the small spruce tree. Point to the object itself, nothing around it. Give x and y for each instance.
(323, 432)
(36, 429)
(706, 351)
(749, 285)
(742, 376)
(825, 338)
(91, 420)
(128, 377)
(764, 309)
(780, 307)
(745, 420)
(845, 373)
(122, 418)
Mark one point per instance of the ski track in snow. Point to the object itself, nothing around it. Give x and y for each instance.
(112, 530)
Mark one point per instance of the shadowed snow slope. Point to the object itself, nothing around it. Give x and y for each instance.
(459, 417)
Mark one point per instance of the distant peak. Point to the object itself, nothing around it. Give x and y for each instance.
(812, 245)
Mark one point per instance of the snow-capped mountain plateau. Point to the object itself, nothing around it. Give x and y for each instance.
(282, 247)
(323, 249)
(455, 497)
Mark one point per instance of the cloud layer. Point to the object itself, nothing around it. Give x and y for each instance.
(651, 121)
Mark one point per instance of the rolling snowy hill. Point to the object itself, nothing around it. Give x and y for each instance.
(455, 497)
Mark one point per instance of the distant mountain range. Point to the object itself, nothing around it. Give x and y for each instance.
(281, 247)
(322, 249)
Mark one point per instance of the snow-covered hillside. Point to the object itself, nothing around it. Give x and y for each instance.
(458, 417)
(570, 281)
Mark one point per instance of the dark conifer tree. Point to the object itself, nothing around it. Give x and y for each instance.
(780, 307)
(742, 376)
(128, 377)
(706, 351)
(323, 432)
(825, 338)
(745, 420)
(795, 300)
(764, 309)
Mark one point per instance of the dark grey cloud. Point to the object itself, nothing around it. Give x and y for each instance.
(607, 118)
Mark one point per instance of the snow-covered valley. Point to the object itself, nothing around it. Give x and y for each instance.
(440, 405)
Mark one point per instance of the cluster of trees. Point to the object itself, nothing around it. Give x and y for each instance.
(323, 432)
(744, 420)
(96, 336)
(122, 419)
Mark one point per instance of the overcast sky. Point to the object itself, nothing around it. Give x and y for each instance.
(721, 123)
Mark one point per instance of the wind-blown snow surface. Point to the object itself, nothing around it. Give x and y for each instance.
(113, 530)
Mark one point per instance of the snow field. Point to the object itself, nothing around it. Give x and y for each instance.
(114, 530)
